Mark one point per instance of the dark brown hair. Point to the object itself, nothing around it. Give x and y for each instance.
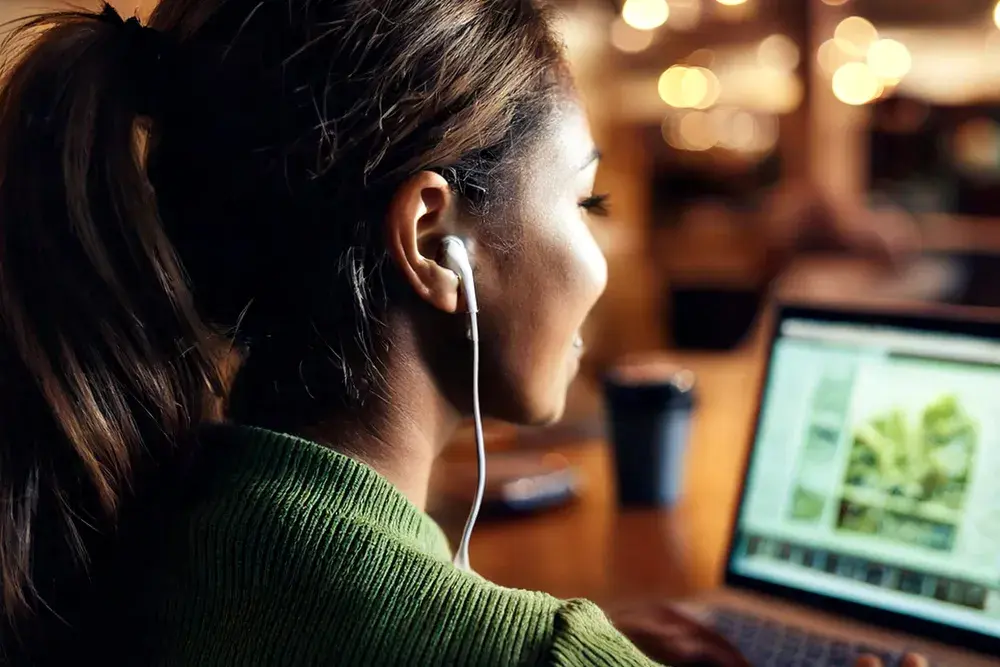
(216, 179)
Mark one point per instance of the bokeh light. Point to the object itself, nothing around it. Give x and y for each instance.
(671, 133)
(996, 15)
(856, 84)
(855, 35)
(628, 39)
(736, 128)
(832, 57)
(889, 60)
(689, 87)
(729, 128)
(778, 52)
(742, 131)
(714, 89)
(835, 3)
(697, 131)
(645, 14)
(731, 3)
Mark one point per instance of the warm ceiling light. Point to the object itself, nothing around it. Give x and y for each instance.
(778, 52)
(626, 38)
(731, 3)
(855, 35)
(856, 84)
(835, 3)
(996, 15)
(889, 60)
(645, 14)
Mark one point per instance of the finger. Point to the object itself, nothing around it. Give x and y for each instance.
(720, 649)
(722, 655)
(914, 660)
(868, 661)
(713, 648)
(676, 645)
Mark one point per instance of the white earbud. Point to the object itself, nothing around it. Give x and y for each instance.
(456, 258)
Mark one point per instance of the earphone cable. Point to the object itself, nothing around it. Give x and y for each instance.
(462, 556)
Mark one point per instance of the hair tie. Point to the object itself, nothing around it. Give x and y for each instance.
(145, 54)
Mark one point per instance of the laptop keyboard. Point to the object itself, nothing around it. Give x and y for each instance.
(767, 643)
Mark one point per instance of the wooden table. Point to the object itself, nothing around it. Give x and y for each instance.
(594, 550)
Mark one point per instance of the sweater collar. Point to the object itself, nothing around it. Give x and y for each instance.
(343, 486)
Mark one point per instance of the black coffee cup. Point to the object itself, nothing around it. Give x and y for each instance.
(649, 406)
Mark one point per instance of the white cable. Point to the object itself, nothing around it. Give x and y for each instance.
(462, 555)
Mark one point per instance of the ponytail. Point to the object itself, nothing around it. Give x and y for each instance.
(104, 366)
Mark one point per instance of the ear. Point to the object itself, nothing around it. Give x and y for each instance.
(420, 215)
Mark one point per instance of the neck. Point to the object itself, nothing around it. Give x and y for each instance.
(401, 433)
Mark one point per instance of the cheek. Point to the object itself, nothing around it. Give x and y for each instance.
(576, 275)
(533, 302)
(591, 263)
(570, 275)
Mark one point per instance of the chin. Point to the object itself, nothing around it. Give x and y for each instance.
(546, 414)
(526, 402)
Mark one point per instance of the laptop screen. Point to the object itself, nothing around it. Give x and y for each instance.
(875, 475)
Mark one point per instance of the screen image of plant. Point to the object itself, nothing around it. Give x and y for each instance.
(908, 474)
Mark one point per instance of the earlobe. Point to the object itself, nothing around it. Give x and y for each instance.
(418, 218)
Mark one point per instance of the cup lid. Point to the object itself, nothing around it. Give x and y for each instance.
(652, 371)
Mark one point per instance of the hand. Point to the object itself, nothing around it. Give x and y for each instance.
(911, 660)
(669, 637)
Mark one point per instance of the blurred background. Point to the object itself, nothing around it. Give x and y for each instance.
(809, 149)
(743, 135)
(754, 151)
(793, 149)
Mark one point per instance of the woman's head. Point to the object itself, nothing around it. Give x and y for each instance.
(538, 271)
(300, 124)
(299, 162)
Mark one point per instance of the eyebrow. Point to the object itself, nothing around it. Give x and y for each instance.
(593, 157)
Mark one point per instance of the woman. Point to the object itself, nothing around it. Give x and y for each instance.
(234, 216)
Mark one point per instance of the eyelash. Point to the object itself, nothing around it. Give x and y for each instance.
(595, 205)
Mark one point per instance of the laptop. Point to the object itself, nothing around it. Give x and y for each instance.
(869, 519)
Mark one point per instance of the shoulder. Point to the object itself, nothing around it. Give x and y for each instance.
(350, 593)
(289, 554)
(309, 558)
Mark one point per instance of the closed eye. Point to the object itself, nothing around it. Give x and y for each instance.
(595, 205)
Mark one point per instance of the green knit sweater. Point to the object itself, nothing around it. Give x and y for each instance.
(288, 553)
